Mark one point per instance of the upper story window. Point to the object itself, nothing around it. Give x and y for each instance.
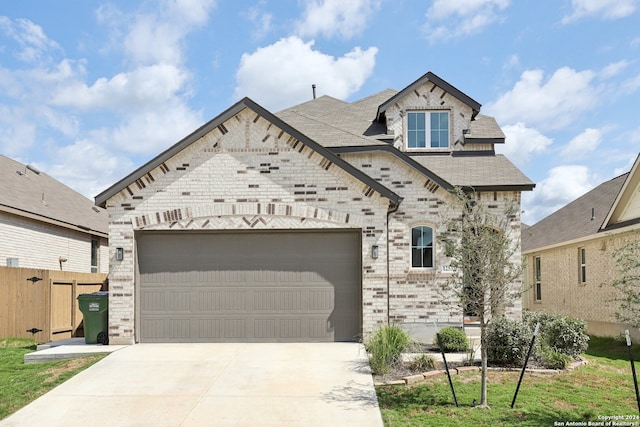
(427, 129)
(422, 247)
(95, 249)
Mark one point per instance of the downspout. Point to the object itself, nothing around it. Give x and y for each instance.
(389, 212)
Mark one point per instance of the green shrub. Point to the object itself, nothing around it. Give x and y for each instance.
(564, 334)
(424, 362)
(567, 335)
(550, 358)
(453, 339)
(531, 318)
(508, 342)
(385, 347)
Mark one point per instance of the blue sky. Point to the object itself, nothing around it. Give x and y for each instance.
(91, 90)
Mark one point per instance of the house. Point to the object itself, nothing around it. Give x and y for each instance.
(569, 254)
(53, 248)
(319, 223)
(46, 225)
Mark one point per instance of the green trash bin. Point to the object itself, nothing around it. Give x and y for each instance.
(95, 311)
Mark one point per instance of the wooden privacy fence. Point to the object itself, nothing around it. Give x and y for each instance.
(32, 299)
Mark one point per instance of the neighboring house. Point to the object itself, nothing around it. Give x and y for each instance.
(319, 223)
(47, 225)
(569, 254)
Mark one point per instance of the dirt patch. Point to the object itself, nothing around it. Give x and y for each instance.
(52, 374)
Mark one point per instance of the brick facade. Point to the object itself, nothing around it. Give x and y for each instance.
(562, 291)
(253, 176)
(248, 171)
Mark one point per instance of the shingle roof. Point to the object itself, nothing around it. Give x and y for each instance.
(330, 134)
(244, 103)
(574, 220)
(495, 172)
(484, 128)
(337, 123)
(348, 127)
(28, 192)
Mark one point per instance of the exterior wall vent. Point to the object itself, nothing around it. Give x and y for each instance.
(13, 262)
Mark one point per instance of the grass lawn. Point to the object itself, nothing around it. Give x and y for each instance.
(21, 384)
(602, 388)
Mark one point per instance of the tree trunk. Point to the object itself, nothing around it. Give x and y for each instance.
(483, 357)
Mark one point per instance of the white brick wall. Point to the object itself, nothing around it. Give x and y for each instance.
(254, 176)
(424, 99)
(414, 294)
(40, 245)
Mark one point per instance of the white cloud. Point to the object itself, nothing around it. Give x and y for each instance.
(613, 69)
(448, 19)
(86, 166)
(155, 35)
(144, 87)
(550, 104)
(336, 18)
(31, 38)
(522, 143)
(626, 167)
(260, 19)
(194, 12)
(148, 132)
(631, 85)
(135, 112)
(17, 131)
(293, 66)
(512, 62)
(562, 185)
(583, 144)
(607, 9)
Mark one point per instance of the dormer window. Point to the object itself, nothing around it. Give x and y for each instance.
(427, 129)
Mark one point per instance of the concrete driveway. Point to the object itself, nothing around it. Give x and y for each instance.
(215, 385)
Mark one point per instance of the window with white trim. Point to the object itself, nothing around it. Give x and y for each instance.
(537, 278)
(427, 129)
(582, 265)
(422, 247)
(95, 251)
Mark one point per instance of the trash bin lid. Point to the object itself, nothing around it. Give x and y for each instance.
(99, 294)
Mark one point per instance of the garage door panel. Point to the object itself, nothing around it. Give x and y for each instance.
(249, 287)
(321, 300)
(209, 328)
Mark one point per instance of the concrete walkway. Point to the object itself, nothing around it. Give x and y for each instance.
(215, 385)
(67, 349)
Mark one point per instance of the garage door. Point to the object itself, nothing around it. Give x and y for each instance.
(249, 287)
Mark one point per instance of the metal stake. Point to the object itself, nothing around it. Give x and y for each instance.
(446, 367)
(633, 367)
(533, 340)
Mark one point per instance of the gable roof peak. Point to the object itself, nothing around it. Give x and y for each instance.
(244, 103)
(442, 84)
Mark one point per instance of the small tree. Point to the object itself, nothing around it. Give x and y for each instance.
(486, 263)
(628, 281)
